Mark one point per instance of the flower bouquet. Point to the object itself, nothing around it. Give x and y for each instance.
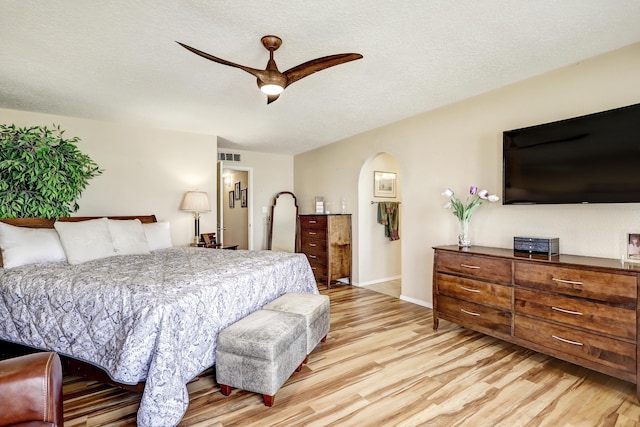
(463, 211)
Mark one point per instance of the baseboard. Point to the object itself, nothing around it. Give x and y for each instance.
(416, 301)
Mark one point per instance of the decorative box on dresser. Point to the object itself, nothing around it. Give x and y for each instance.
(326, 241)
(580, 309)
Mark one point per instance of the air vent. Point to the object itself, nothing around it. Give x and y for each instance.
(229, 157)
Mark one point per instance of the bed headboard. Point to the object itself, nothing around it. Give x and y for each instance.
(48, 223)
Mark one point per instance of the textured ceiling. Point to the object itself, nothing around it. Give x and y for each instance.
(117, 60)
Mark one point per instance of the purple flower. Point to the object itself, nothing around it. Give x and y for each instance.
(463, 209)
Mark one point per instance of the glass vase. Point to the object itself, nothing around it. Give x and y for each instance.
(463, 238)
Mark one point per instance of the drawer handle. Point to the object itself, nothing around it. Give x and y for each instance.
(314, 257)
(312, 244)
(471, 313)
(566, 340)
(570, 282)
(313, 233)
(562, 310)
(477, 291)
(312, 222)
(469, 266)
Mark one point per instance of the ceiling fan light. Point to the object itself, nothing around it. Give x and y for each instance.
(271, 89)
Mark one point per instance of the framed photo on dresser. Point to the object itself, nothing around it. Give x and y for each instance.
(633, 247)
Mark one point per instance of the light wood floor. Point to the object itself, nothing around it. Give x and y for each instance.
(392, 288)
(383, 365)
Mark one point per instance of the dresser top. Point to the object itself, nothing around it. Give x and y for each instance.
(564, 259)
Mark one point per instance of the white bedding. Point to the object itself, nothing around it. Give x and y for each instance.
(152, 318)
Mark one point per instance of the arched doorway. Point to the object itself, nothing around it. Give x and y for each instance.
(379, 258)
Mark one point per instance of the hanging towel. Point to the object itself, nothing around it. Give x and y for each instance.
(388, 215)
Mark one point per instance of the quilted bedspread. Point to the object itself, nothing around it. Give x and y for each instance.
(152, 318)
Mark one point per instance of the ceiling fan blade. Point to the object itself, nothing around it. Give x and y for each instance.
(253, 71)
(303, 70)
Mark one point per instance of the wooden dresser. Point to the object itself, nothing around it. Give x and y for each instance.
(580, 309)
(326, 241)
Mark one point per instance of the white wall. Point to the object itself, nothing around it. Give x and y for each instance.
(146, 171)
(461, 144)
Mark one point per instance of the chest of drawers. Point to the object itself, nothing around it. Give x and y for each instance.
(580, 309)
(326, 241)
(475, 291)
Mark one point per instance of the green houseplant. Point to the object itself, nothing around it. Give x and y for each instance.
(42, 174)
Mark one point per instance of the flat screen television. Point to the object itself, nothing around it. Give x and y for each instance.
(588, 159)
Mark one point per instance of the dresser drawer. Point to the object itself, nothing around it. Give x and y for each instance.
(475, 291)
(585, 314)
(493, 269)
(613, 288)
(319, 269)
(313, 221)
(596, 348)
(313, 246)
(314, 233)
(317, 259)
(473, 314)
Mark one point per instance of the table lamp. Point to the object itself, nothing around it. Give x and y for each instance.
(196, 202)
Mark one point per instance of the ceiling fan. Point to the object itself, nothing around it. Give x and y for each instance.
(270, 80)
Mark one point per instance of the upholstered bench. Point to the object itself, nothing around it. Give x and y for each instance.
(260, 352)
(314, 308)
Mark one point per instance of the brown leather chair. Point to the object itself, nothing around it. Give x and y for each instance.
(31, 391)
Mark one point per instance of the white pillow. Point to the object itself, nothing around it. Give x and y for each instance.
(85, 240)
(158, 235)
(22, 245)
(128, 237)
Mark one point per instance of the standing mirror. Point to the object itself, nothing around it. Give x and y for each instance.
(283, 232)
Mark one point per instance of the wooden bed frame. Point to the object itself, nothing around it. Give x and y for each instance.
(70, 365)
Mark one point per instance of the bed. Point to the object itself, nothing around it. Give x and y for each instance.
(144, 319)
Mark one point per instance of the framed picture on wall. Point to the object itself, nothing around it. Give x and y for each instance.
(633, 246)
(232, 200)
(244, 198)
(384, 184)
(237, 190)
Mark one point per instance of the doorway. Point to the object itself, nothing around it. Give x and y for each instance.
(235, 197)
(379, 258)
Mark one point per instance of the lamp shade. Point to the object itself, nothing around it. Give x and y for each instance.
(195, 201)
